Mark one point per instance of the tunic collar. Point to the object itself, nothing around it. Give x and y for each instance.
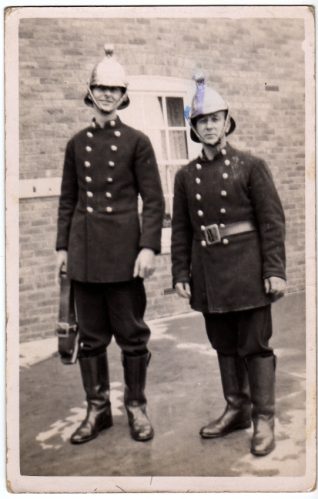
(115, 123)
(217, 153)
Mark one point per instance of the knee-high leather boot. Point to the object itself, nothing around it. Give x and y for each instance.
(135, 369)
(261, 372)
(237, 414)
(95, 377)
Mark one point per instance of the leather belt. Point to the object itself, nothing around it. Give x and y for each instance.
(214, 233)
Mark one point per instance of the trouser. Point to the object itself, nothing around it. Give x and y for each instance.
(105, 310)
(243, 333)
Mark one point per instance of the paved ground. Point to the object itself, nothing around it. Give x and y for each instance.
(184, 392)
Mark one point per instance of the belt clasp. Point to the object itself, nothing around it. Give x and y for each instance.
(212, 234)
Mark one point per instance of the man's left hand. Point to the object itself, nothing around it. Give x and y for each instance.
(275, 286)
(145, 263)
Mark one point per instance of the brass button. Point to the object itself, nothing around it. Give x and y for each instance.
(198, 166)
(88, 148)
(222, 226)
(203, 243)
(117, 133)
(113, 148)
(202, 227)
(200, 213)
(112, 123)
(223, 194)
(198, 180)
(225, 175)
(227, 162)
(89, 194)
(109, 180)
(109, 209)
(223, 210)
(108, 194)
(89, 134)
(88, 179)
(223, 151)
(198, 197)
(89, 209)
(87, 164)
(111, 164)
(225, 241)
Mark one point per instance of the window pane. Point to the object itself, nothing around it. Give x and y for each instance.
(132, 115)
(175, 111)
(153, 112)
(158, 140)
(178, 145)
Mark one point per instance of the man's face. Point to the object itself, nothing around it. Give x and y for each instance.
(211, 127)
(107, 97)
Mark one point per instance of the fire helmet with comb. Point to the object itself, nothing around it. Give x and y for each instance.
(109, 73)
(206, 100)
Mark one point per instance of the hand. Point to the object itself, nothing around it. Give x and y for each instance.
(145, 263)
(183, 289)
(275, 286)
(61, 262)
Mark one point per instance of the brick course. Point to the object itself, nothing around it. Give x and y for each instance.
(258, 64)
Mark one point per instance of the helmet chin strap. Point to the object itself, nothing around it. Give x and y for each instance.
(121, 100)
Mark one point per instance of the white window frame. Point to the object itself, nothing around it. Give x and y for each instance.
(165, 87)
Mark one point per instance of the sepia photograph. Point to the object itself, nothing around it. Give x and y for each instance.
(160, 249)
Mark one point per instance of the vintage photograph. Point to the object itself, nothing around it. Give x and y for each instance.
(160, 242)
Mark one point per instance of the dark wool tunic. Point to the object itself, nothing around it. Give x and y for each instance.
(233, 187)
(105, 170)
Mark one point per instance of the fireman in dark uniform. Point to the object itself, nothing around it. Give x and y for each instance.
(106, 250)
(228, 258)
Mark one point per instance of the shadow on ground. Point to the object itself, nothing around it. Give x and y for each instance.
(184, 393)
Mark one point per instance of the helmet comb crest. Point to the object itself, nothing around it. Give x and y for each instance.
(199, 77)
(109, 49)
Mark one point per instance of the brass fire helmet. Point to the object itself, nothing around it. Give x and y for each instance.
(109, 73)
(206, 101)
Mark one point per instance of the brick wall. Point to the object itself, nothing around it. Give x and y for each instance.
(258, 64)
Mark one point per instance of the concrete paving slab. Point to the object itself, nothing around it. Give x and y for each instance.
(184, 393)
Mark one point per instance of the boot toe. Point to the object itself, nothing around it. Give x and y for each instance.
(263, 441)
(83, 435)
(263, 450)
(262, 446)
(142, 434)
(140, 426)
(231, 420)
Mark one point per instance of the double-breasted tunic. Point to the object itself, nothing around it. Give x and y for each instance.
(105, 169)
(233, 187)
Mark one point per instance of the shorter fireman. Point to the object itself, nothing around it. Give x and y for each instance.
(228, 259)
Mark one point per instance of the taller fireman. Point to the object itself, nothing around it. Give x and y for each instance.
(228, 258)
(106, 250)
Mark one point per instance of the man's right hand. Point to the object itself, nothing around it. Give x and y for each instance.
(61, 262)
(183, 289)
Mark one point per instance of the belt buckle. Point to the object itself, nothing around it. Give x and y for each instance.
(212, 234)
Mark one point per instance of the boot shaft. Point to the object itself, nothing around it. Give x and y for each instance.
(135, 372)
(95, 377)
(261, 373)
(234, 379)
